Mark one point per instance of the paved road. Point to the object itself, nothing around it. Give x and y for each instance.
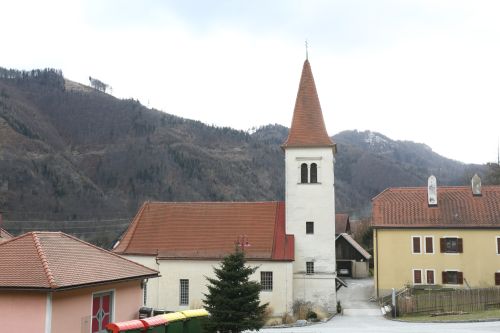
(362, 316)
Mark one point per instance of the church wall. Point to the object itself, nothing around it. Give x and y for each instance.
(164, 292)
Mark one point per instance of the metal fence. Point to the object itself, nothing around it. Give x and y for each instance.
(446, 301)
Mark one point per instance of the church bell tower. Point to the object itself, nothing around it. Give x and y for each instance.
(310, 198)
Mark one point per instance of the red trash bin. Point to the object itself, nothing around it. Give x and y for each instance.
(156, 324)
(131, 326)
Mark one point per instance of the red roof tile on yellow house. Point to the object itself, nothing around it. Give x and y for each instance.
(456, 207)
(308, 127)
(54, 260)
(208, 230)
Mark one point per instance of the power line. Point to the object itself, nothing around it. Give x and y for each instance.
(64, 221)
(55, 228)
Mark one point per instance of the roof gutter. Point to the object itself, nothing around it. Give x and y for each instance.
(44, 289)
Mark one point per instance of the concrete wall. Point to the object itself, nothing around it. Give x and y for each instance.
(315, 203)
(22, 311)
(360, 269)
(395, 262)
(164, 292)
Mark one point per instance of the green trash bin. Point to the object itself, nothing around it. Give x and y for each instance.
(175, 322)
(156, 324)
(194, 320)
(131, 326)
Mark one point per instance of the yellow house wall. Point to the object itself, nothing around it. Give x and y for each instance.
(394, 260)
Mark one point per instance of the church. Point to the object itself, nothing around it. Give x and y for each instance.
(292, 242)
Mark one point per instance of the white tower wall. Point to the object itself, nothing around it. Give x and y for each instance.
(312, 202)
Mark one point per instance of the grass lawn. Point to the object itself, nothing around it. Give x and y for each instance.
(473, 316)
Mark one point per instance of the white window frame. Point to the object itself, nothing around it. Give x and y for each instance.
(181, 294)
(309, 161)
(411, 244)
(433, 245)
(434, 274)
(421, 276)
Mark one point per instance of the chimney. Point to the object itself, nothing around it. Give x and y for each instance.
(432, 191)
(476, 185)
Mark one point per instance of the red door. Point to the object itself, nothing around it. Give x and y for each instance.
(101, 311)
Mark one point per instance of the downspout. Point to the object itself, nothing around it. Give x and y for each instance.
(158, 279)
(48, 313)
(376, 259)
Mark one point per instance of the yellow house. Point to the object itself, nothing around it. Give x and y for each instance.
(446, 236)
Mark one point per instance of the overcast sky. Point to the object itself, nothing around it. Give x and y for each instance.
(426, 71)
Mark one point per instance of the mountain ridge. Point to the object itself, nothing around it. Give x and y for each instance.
(72, 153)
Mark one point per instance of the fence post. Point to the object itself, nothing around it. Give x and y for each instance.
(394, 305)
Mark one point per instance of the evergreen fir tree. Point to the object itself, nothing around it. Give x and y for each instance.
(232, 299)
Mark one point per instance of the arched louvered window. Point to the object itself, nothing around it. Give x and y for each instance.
(314, 173)
(303, 173)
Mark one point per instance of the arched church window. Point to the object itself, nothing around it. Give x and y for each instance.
(303, 173)
(314, 173)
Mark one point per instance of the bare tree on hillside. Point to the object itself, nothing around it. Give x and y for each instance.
(99, 85)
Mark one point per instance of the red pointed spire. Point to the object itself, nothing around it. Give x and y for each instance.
(308, 127)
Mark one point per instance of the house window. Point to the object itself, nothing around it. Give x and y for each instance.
(417, 276)
(303, 173)
(309, 228)
(266, 281)
(451, 245)
(184, 292)
(429, 276)
(453, 277)
(310, 267)
(415, 244)
(429, 244)
(102, 311)
(314, 173)
(145, 293)
(498, 244)
(497, 279)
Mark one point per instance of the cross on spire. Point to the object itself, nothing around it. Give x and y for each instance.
(307, 50)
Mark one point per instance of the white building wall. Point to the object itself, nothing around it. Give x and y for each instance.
(312, 202)
(164, 292)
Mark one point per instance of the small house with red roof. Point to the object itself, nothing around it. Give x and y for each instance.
(292, 242)
(447, 235)
(54, 283)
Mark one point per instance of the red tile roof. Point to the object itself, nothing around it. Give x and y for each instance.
(54, 260)
(208, 230)
(308, 127)
(342, 224)
(456, 208)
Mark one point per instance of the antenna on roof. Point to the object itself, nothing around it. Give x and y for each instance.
(307, 50)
